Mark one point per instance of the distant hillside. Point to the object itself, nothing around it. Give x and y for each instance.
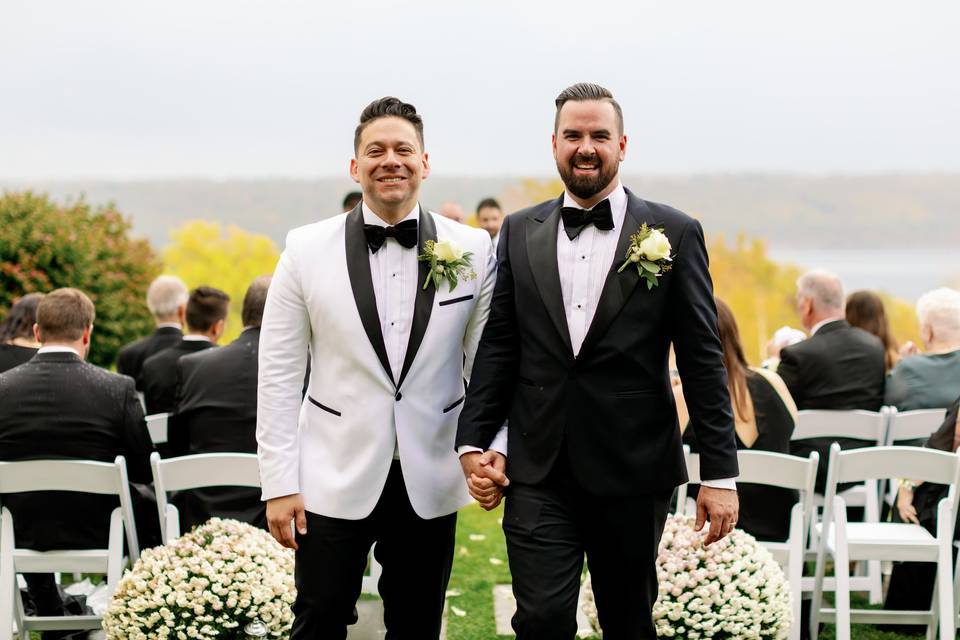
(841, 212)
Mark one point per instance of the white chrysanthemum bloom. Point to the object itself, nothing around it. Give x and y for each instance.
(219, 577)
(731, 590)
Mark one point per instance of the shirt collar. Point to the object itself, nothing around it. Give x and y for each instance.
(369, 217)
(617, 198)
(193, 337)
(169, 325)
(59, 349)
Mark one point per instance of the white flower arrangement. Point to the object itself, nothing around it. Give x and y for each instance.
(209, 583)
(731, 590)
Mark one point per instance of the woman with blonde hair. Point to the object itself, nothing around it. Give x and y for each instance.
(765, 415)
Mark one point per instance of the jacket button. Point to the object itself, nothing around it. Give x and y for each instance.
(398, 397)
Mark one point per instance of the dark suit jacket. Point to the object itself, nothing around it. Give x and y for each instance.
(58, 406)
(838, 368)
(611, 407)
(158, 377)
(217, 413)
(13, 356)
(131, 357)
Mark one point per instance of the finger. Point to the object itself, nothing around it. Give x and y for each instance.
(701, 516)
(490, 471)
(301, 521)
(482, 482)
(716, 530)
(286, 531)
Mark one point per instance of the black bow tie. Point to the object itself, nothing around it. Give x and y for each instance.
(404, 232)
(574, 219)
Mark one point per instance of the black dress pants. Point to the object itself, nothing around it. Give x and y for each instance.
(550, 526)
(416, 556)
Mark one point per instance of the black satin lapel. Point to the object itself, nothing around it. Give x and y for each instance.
(618, 286)
(542, 253)
(423, 305)
(358, 268)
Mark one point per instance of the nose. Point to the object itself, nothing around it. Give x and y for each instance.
(586, 147)
(390, 159)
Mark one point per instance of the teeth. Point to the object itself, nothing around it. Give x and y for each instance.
(392, 179)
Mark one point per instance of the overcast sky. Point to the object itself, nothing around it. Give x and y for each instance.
(223, 89)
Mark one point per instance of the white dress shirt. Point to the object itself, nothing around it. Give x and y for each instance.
(583, 264)
(59, 349)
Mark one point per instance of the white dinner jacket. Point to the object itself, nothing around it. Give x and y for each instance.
(336, 445)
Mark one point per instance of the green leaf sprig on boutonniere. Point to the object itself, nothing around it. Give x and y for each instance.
(447, 262)
(650, 250)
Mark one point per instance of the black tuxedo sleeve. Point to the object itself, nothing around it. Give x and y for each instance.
(789, 369)
(696, 341)
(495, 366)
(178, 435)
(137, 446)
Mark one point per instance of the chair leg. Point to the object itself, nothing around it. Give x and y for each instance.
(8, 577)
(842, 595)
(945, 595)
(817, 600)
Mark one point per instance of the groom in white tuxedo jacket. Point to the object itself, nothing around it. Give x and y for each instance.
(368, 455)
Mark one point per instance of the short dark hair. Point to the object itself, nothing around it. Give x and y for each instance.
(206, 307)
(64, 314)
(254, 301)
(19, 322)
(351, 200)
(582, 92)
(388, 107)
(488, 203)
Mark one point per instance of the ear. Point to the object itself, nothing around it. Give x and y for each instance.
(553, 144)
(354, 170)
(926, 334)
(623, 147)
(182, 314)
(36, 333)
(426, 165)
(86, 335)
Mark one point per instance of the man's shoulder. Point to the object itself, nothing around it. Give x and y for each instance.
(132, 348)
(462, 233)
(310, 234)
(162, 358)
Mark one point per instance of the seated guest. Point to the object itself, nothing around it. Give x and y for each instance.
(764, 418)
(911, 583)
(838, 367)
(17, 342)
(351, 200)
(865, 310)
(167, 301)
(58, 406)
(930, 380)
(206, 316)
(217, 413)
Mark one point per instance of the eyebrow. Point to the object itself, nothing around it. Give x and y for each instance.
(594, 132)
(382, 143)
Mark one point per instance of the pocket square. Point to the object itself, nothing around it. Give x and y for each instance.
(444, 303)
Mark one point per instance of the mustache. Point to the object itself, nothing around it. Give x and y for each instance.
(581, 159)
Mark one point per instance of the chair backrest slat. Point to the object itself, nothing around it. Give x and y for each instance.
(59, 475)
(914, 425)
(773, 469)
(915, 463)
(854, 424)
(208, 470)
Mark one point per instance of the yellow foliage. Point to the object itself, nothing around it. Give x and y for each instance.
(202, 253)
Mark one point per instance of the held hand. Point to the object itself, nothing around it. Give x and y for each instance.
(908, 513)
(721, 507)
(909, 349)
(485, 476)
(280, 513)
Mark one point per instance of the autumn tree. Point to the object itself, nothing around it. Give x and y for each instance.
(203, 253)
(45, 245)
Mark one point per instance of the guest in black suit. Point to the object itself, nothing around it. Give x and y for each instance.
(17, 341)
(167, 301)
(58, 406)
(206, 316)
(838, 367)
(575, 354)
(217, 413)
(765, 415)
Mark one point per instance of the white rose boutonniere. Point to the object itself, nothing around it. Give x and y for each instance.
(448, 261)
(649, 249)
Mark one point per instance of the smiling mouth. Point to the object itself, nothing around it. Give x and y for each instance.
(392, 180)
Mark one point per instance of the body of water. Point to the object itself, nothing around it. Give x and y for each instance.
(905, 274)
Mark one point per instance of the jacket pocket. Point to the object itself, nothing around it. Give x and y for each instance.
(454, 405)
(324, 407)
(636, 393)
(444, 303)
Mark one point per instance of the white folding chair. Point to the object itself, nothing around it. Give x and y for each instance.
(871, 428)
(214, 470)
(845, 542)
(786, 472)
(918, 424)
(157, 426)
(62, 475)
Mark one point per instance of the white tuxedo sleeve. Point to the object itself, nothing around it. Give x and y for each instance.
(499, 443)
(284, 341)
(471, 336)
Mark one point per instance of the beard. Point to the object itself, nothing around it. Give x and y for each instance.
(586, 187)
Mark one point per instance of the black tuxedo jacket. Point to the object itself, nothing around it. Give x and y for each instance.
(131, 357)
(611, 407)
(839, 367)
(58, 406)
(158, 377)
(216, 412)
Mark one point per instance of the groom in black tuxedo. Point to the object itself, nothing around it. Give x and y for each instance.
(575, 354)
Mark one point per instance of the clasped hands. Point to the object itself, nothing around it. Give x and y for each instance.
(485, 476)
